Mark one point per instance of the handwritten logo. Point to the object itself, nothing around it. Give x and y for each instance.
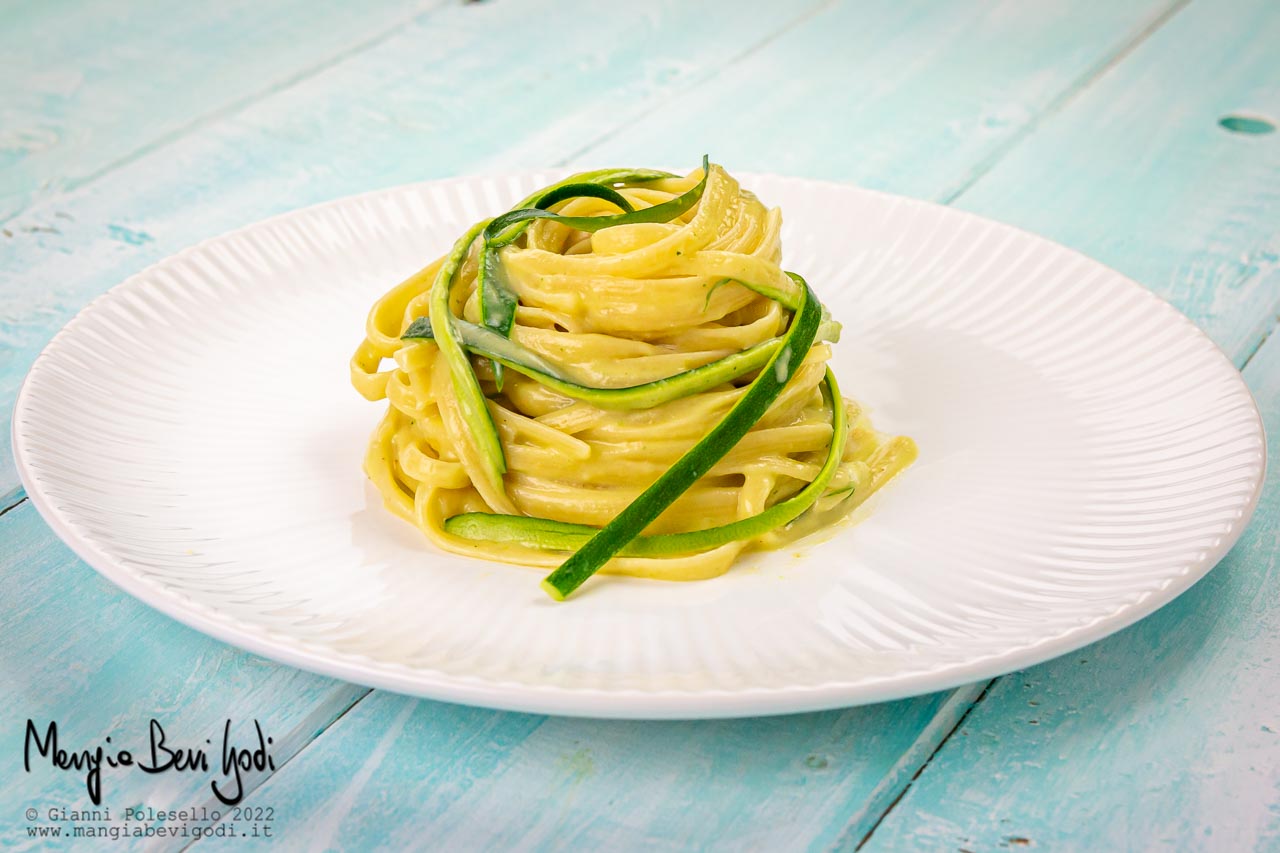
(159, 757)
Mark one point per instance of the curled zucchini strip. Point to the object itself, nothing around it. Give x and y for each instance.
(665, 346)
(766, 387)
(550, 535)
(482, 341)
(498, 306)
(471, 399)
(497, 300)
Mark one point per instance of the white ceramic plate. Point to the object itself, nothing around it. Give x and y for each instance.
(1086, 454)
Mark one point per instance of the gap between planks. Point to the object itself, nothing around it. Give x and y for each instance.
(321, 719)
(956, 709)
(1068, 94)
(316, 717)
(736, 59)
(893, 788)
(169, 137)
(1262, 339)
(18, 496)
(13, 500)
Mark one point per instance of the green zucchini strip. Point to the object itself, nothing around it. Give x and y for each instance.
(760, 394)
(471, 400)
(549, 535)
(564, 192)
(664, 212)
(482, 341)
(610, 177)
(497, 300)
(789, 299)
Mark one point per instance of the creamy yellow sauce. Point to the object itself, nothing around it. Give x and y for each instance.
(625, 305)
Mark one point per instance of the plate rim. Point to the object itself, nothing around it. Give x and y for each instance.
(595, 702)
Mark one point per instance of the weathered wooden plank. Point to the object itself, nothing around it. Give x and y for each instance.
(234, 198)
(1164, 735)
(1139, 173)
(912, 97)
(78, 652)
(396, 773)
(90, 84)
(671, 815)
(420, 81)
(430, 101)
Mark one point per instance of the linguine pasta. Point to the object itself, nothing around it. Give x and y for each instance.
(616, 375)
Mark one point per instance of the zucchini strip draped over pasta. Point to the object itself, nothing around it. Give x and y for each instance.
(616, 375)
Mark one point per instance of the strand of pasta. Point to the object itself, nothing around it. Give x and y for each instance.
(628, 342)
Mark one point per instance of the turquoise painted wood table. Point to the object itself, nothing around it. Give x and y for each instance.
(1137, 131)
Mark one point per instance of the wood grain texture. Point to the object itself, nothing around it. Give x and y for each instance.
(292, 789)
(387, 112)
(909, 97)
(398, 773)
(90, 85)
(1166, 734)
(77, 651)
(292, 705)
(431, 101)
(1138, 173)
